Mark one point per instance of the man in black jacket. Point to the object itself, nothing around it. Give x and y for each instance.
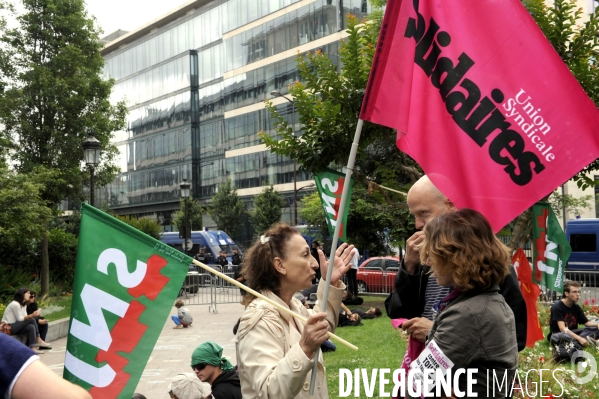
(236, 258)
(211, 367)
(416, 291)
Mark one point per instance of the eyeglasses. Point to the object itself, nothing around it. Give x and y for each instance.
(199, 366)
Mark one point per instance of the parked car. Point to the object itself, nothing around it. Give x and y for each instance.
(377, 274)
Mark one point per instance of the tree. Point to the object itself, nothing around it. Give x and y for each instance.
(145, 225)
(329, 102)
(227, 209)
(24, 212)
(267, 209)
(313, 214)
(195, 211)
(54, 97)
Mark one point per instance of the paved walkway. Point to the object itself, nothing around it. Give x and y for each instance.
(172, 353)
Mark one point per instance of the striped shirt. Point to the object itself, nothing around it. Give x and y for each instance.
(434, 293)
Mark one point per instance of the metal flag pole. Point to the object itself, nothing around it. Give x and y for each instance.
(325, 298)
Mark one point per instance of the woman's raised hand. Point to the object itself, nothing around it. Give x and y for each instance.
(342, 263)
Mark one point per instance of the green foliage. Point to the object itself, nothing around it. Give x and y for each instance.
(227, 209)
(313, 214)
(572, 204)
(145, 225)
(12, 278)
(267, 209)
(329, 103)
(24, 213)
(368, 218)
(62, 250)
(54, 95)
(578, 46)
(195, 211)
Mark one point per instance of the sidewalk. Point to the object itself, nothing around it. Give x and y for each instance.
(172, 353)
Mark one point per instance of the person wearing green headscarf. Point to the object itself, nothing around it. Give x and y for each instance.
(210, 366)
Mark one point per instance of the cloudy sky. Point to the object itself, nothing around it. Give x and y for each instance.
(128, 14)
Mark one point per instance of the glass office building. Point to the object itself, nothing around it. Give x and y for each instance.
(195, 82)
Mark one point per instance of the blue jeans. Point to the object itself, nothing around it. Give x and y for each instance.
(178, 321)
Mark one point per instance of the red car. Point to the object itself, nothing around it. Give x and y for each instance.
(377, 274)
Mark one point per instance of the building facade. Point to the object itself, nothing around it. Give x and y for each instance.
(195, 81)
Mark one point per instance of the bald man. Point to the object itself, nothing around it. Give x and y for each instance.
(416, 291)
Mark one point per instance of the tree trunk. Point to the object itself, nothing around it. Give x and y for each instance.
(45, 270)
(521, 231)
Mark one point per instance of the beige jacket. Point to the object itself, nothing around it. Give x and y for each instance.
(271, 363)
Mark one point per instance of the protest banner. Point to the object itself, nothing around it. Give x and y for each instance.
(125, 285)
(476, 93)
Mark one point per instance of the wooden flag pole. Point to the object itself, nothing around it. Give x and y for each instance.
(344, 195)
(273, 303)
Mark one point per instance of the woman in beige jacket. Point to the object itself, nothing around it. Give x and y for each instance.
(275, 351)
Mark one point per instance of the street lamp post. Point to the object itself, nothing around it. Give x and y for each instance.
(92, 150)
(185, 194)
(276, 93)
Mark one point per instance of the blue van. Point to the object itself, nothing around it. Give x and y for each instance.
(200, 239)
(582, 235)
(225, 242)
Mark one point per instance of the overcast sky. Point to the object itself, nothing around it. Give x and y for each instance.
(128, 14)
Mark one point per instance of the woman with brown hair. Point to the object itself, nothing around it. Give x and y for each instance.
(274, 350)
(473, 326)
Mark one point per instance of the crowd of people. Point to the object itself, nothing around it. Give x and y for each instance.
(455, 289)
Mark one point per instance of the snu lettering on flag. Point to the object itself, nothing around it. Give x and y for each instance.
(551, 248)
(330, 187)
(124, 289)
(476, 93)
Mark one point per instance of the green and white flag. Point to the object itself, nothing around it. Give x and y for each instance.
(551, 249)
(125, 286)
(330, 188)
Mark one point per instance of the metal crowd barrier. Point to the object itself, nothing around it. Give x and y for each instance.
(376, 280)
(589, 287)
(205, 288)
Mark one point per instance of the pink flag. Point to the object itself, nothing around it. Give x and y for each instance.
(481, 100)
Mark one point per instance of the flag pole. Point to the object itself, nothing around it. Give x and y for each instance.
(348, 173)
(270, 301)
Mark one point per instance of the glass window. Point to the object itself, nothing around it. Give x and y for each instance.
(583, 242)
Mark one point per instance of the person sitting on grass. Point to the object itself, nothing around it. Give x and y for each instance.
(566, 315)
(183, 318)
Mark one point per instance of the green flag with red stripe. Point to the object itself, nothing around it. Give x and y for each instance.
(551, 248)
(330, 188)
(125, 285)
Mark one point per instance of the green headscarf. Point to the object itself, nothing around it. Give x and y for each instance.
(210, 353)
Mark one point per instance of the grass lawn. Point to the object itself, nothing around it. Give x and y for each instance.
(51, 308)
(380, 346)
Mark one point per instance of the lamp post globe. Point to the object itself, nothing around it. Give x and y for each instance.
(92, 150)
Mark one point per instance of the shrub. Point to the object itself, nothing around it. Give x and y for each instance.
(62, 250)
(12, 279)
(150, 227)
